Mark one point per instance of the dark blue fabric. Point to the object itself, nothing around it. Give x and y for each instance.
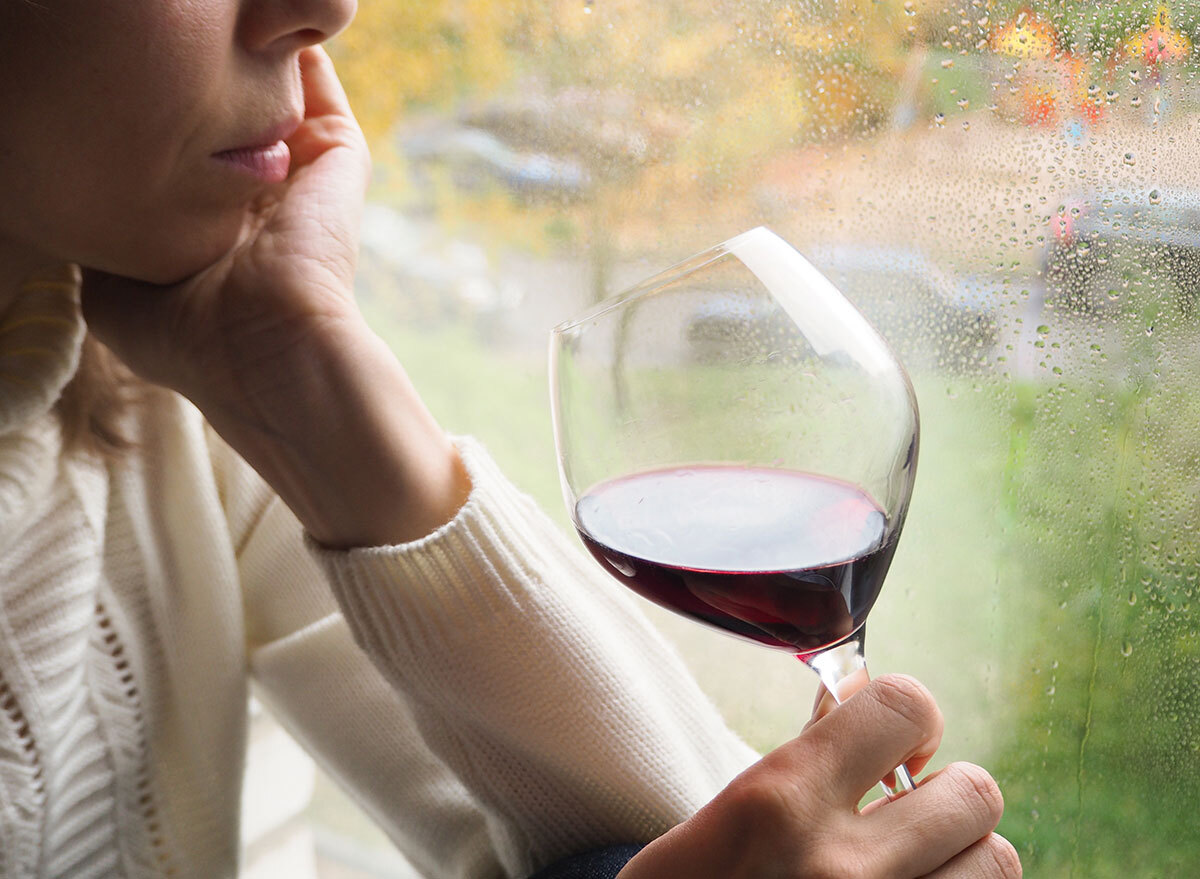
(605, 863)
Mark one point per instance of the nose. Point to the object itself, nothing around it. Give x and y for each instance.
(290, 25)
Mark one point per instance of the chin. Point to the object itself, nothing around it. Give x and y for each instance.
(169, 258)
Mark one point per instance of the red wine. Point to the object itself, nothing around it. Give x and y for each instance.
(783, 558)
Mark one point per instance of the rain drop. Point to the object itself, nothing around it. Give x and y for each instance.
(1129, 158)
(1155, 197)
(939, 120)
(1132, 598)
(1127, 648)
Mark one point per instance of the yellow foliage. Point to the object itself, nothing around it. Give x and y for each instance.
(688, 54)
(399, 54)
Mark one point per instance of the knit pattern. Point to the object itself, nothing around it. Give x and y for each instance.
(485, 693)
(54, 763)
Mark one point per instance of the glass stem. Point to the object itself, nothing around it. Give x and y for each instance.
(843, 671)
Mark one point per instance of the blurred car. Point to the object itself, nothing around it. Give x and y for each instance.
(928, 319)
(1103, 239)
(476, 159)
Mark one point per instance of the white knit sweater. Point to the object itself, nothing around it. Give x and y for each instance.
(486, 693)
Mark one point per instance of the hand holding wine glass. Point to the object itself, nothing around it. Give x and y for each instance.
(794, 815)
(739, 446)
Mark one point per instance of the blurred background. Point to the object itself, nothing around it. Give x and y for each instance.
(1010, 192)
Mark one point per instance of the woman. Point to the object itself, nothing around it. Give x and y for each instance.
(270, 501)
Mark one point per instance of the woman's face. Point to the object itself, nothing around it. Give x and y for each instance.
(111, 112)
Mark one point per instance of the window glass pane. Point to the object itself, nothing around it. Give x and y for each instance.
(1008, 190)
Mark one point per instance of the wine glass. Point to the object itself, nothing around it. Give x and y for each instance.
(738, 445)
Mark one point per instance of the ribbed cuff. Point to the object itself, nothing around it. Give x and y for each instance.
(418, 590)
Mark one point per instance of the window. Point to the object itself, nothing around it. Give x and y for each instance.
(1011, 192)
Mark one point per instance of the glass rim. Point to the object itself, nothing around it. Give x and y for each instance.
(674, 272)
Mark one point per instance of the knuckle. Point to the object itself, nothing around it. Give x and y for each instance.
(909, 699)
(978, 792)
(833, 861)
(1004, 856)
(760, 804)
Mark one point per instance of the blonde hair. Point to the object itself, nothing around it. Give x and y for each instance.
(95, 401)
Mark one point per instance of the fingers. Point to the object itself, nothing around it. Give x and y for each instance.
(993, 857)
(945, 815)
(826, 701)
(892, 720)
(794, 812)
(323, 92)
(329, 122)
(823, 703)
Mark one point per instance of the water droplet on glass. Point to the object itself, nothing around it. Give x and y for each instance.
(963, 104)
(939, 120)
(1043, 329)
(1155, 197)
(1126, 648)
(1128, 158)
(1132, 598)
(908, 8)
(947, 63)
(1050, 690)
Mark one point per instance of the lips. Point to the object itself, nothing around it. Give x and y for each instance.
(266, 156)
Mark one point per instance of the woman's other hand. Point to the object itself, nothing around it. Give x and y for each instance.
(794, 814)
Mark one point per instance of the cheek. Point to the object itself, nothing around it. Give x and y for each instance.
(116, 222)
(101, 162)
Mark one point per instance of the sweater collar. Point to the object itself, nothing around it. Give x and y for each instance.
(41, 336)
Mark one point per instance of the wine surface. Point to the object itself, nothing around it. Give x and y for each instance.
(783, 558)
